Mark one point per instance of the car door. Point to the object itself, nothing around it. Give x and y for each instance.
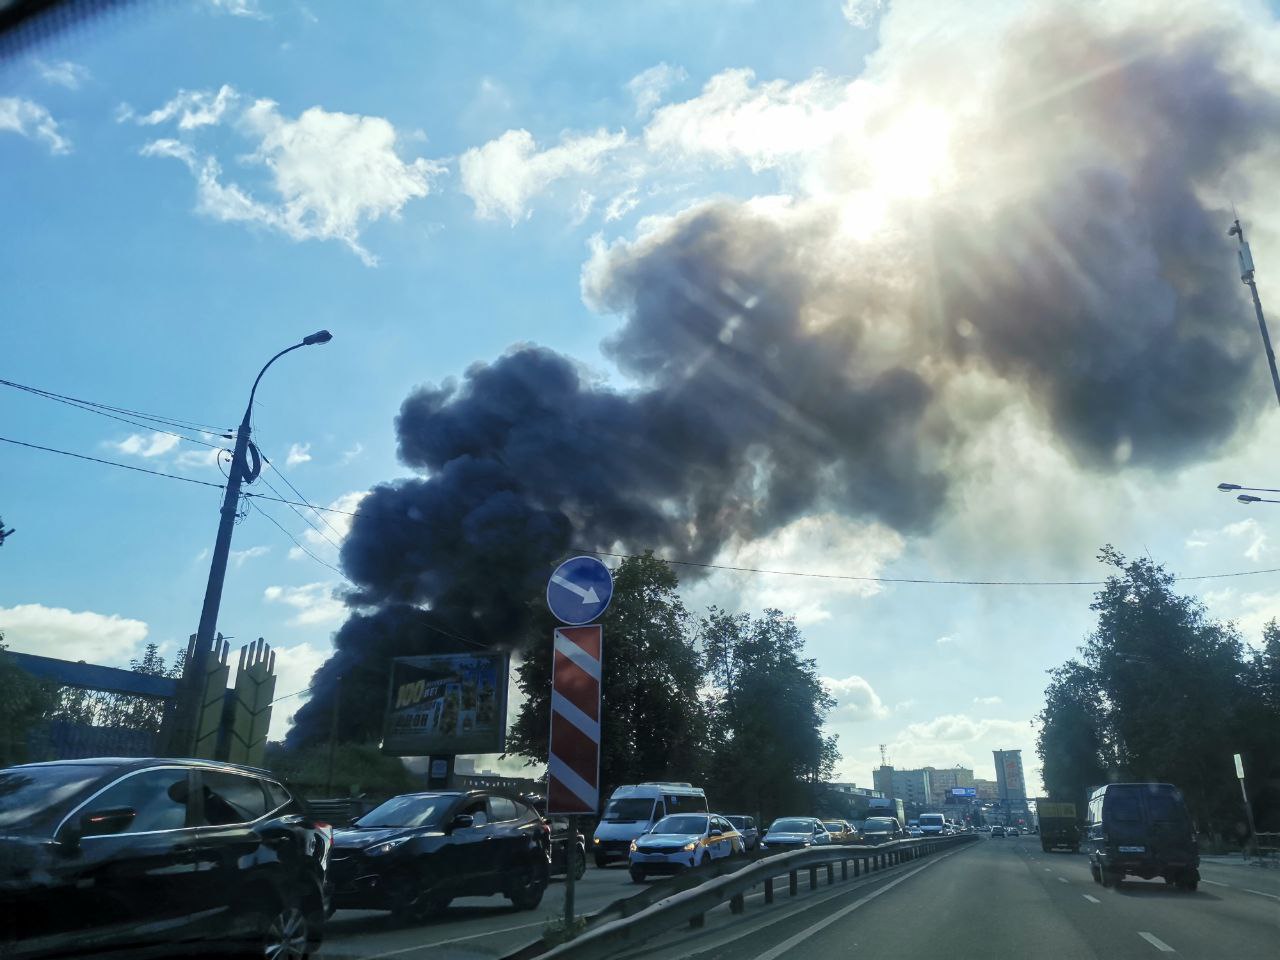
(231, 855)
(723, 845)
(516, 836)
(471, 852)
(133, 885)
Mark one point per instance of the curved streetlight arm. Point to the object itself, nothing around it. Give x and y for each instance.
(249, 409)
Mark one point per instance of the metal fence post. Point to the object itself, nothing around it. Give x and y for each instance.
(697, 921)
(737, 904)
(768, 890)
(844, 869)
(793, 883)
(813, 877)
(831, 874)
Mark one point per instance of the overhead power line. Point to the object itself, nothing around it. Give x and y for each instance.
(111, 463)
(107, 410)
(922, 581)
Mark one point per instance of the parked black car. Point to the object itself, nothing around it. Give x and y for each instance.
(1144, 830)
(558, 826)
(418, 851)
(157, 858)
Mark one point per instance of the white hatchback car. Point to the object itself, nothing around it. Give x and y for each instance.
(682, 841)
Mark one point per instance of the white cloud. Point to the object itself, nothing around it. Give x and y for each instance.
(856, 700)
(945, 641)
(816, 544)
(987, 701)
(336, 526)
(242, 8)
(333, 173)
(62, 73)
(84, 635)
(765, 125)
(1257, 546)
(314, 602)
(142, 446)
(648, 87)
(298, 453)
(29, 119)
(503, 175)
(862, 13)
(194, 108)
(238, 557)
(198, 458)
(295, 666)
(621, 205)
(960, 727)
(296, 553)
(349, 455)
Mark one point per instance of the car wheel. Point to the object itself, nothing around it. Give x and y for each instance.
(637, 875)
(706, 859)
(601, 861)
(529, 888)
(420, 908)
(287, 931)
(579, 864)
(1095, 873)
(1105, 877)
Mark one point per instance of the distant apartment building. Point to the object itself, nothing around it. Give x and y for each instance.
(882, 780)
(943, 779)
(987, 789)
(913, 788)
(1011, 783)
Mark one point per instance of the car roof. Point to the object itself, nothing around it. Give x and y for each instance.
(141, 762)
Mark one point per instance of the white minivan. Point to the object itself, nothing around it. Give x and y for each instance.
(933, 824)
(633, 810)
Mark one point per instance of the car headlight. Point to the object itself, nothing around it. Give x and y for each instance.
(634, 848)
(380, 849)
(691, 845)
(596, 841)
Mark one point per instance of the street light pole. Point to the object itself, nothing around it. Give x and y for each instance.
(1246, 277)
(184, 740)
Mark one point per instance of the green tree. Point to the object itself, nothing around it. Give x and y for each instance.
(24, 700)
(766, 714)
(652, 724)
(1160, 693)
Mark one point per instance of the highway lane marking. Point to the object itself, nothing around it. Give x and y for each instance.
(1063, 880)
(1214, 882)
(843, 912)
(1259, 893)
(441, 943)
(1091, 899)
(1156, 942)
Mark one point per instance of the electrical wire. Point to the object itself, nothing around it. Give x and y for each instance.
(223, 433)
(922, 581)
(111, 463)
(298, 493)
(296, 543)
(302, 515)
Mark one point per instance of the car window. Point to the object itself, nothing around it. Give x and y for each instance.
(477, 810)
(277, 796)
(1122, 806)
(683, 823)
(1165, 808)
(158, 797)
(501, 809)
(231, 798)
(30, 792)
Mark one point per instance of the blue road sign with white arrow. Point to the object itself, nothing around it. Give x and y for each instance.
(580, 590)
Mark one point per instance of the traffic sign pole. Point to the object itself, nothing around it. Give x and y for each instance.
(1248, 810)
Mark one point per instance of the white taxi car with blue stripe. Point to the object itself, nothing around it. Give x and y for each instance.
(682, 841)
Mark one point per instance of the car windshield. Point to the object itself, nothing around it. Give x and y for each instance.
(791, 825)
(683, 824)
(633, 808)
(409, 811)
(28, 793)
(629, 411)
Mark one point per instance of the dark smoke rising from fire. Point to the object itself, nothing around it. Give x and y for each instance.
(783, 364)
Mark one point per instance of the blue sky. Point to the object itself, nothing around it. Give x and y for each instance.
(194, 186)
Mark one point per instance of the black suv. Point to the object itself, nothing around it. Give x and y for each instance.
(157, 857)
(418, 851)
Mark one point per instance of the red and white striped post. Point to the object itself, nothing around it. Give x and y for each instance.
(573, 755)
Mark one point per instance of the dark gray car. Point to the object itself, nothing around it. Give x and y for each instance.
(747, 829)
(1143, 830)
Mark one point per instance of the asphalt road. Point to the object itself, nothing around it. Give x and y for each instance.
(996, 899)
(472, 927)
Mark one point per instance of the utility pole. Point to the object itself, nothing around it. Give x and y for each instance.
(1246, 277)
(182, 741)
(1248, 810)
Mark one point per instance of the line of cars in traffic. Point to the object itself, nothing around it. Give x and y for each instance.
(157, 857)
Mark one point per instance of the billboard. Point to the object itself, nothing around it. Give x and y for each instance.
(447, 704)
(965, 793)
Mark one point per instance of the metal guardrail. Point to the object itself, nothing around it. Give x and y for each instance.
(651, 913)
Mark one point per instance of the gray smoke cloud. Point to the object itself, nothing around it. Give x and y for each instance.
(808, 353)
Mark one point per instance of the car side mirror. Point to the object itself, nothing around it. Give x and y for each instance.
(717, 832)
(462, 821)
(105, 821)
